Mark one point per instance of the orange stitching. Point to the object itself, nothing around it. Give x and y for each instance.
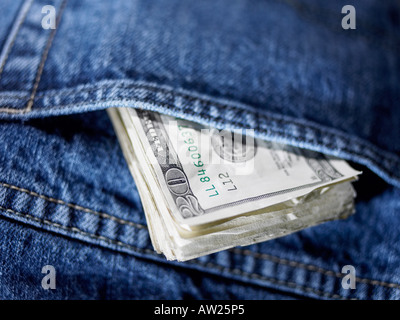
(74, 229)
(273, 280)
(310, 267)
(15, 34)
(245, 252)
(44, 58)
(207, 265)
(74, 206)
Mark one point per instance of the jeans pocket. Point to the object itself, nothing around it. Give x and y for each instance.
(62, 171)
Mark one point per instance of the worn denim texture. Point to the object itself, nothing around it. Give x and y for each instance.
(286, 69)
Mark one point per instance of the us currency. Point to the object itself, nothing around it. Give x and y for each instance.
(204, 190)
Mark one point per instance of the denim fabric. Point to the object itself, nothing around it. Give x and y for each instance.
(286, 69)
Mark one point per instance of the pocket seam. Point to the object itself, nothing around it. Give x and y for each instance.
(43, 60)
(20, 22)
(384, 163)
(310, 267)
(75, 206)
(39, 70)
(232, 271)
(244, 252)
(390, 158)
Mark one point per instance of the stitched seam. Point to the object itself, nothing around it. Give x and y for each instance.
(155, 89)
(290, 284)
(44, 58)
(234, 271)
(392, 162)
(171, 92)
(104, 215)
(256, 255)
(15, 37)
(74, 206)
(390, 159)
(264, 256)
(74, 229)
(310, 267)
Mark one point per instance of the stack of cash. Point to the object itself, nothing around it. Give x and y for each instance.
(205, 190)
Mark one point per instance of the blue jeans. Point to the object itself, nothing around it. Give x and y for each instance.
(286, 69)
